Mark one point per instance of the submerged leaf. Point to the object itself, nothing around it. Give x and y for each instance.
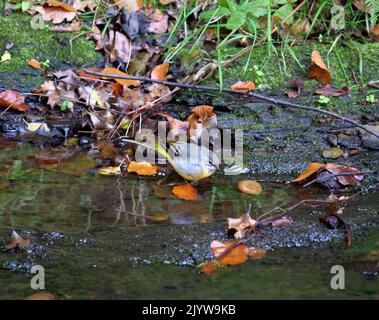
(185, 191)
(249, 187)
(236, 256)
(142, 168)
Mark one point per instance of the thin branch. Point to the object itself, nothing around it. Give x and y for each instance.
(245, 93)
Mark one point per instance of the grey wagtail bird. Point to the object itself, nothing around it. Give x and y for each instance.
(189, 160)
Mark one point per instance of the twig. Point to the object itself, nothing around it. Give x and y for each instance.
(373, 85)
(321, 179)
(246, 93)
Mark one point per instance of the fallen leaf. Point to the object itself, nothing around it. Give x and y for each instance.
(238, 227)
(130, 5)
(58, 4)
(331, 91)
(333, 153)
(279, 222)
(166, 2)
(318, 70)
(17, 241)
(40, 296)
(243, 86)
(124, 82)
(256, 253)
(345, 180)
(68, 27)
(375, 32)
(13, 100)
(110, 171)
(203, 112)
(361, 5)
(185, 191)
(34, 64)
(249, 187)
(56, 12)
(208, 268)
(160, 72)
(5, 56)
(292, 94)
(37, 127)
(142, 168)
(158, 22)
(311, 169)
(236, 256)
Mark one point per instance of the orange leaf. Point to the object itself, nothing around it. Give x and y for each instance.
(142, 168)
(209, 268)
(34, 64)
(185, 191)
(58, 4)
(243, 86)
(345, 180)
(375, 33)
(318, 70)
(13, 99)
(237, 256)
(124, 82)
(312, 168)
(256, 253)
(131, 5)
(203, 112)
(83, 74)
(160, 72)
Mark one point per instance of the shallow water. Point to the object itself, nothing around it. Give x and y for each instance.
(129, 238)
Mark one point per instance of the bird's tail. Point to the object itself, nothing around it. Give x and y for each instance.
(156, 146)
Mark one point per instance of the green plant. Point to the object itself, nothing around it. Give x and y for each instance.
(65, 105)
(323, 100)
(373, 6)
(370, 98)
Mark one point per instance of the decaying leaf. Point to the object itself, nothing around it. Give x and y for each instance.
(124, 82)
(160, 72)
(318, 70)
(68, 27)
(56, 11)
(14, 100)
(292, 94)
(243, 86)
(209, 268)
(17, 242)
(37, 127)
(110, 171)
(375, 33)
(34, 64)
(249, 187)
(130, 5)
(332, 91)
(185, 191)
(334, 169)
(142, 168)
(256, 253)
(310, 170)
(238, 227)
(236, 256)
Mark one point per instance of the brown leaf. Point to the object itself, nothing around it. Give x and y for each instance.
(345, 180)
(185, 191)
(203, 112)
(130, 5)
(311, 169)
(58, 4)
(56, 12)
(243, 86)
(249, 187)
(158, 22)
(14, 100)
(209, 268)
(34, 64)
(361, 6)
(236, 256)
(142, 168)
(292, 94)
(256, 253)
(239, 226)
(81, 73)
(160, 72)
(124, 82)
(318, 70)
(17, 241)
(119, 46)
(331, 91)
(68, 27)
(375, 32)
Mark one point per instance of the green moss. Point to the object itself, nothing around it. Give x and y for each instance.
(63, 50)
